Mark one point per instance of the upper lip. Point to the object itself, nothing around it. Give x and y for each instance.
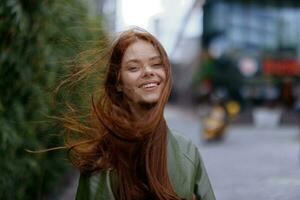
(145, 83)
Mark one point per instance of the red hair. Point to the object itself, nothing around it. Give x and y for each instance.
(112, 139)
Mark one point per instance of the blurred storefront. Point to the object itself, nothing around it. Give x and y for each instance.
(261, 40)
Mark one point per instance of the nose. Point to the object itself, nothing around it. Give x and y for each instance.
(148, 71)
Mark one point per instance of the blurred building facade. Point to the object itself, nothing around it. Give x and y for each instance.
(255, 26)
(262, 40)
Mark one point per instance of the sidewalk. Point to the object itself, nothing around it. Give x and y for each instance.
(260, 163)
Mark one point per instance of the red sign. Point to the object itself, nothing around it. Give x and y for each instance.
(281, 67)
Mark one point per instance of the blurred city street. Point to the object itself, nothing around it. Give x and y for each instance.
(238, 61)
(251, 163)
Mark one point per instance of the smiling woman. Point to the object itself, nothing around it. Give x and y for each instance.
(126, 151)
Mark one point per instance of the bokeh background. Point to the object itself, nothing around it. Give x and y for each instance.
(236, 69)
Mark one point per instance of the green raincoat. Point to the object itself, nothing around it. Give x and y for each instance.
(185, 167)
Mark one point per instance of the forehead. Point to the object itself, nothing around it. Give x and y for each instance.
(140, 50)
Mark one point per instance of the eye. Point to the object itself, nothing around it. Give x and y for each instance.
(157, 65)
(133, 68)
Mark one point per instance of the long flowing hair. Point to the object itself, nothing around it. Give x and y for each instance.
(110, 138)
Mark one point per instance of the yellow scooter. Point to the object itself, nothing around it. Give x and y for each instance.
(216, 123)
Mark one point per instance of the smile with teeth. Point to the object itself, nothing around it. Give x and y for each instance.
(150, 85)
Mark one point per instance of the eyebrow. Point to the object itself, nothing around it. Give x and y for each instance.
(155, 57)
(132, 61)
(137, 61)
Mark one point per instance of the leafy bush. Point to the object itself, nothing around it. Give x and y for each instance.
(35, 37)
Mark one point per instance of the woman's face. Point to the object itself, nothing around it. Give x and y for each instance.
(142, 73)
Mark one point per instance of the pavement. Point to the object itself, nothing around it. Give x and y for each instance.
(251, 163)
(260, 163)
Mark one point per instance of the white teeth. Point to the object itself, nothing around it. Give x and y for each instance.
(149, 85)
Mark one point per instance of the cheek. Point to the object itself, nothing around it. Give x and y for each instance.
(163, 75)
(129, 80)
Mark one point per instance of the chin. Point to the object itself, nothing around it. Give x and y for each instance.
(151, 100)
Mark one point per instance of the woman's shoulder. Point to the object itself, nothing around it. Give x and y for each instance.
(183, 145)
(183, 159)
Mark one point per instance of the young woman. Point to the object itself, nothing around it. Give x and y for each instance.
(128, 152)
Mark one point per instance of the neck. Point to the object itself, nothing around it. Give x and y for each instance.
(140, 110)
